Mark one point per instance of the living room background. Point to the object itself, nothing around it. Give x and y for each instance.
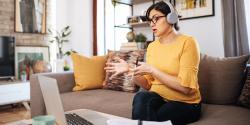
(208, 31)
(78, 14)
(7, 19)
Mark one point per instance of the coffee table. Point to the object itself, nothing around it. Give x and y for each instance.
(97, 118)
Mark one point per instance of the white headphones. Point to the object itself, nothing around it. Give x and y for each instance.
(172, 17)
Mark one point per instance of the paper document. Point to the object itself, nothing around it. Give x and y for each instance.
(135, 122)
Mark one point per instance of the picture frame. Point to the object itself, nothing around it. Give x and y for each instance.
(30, 16)
(170, 1)
(189, 9)
(25, 57)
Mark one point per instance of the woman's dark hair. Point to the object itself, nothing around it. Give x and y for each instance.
(163, 8)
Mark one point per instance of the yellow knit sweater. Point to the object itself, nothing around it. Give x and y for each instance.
(179, 58)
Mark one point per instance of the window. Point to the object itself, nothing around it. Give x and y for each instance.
(110, 37)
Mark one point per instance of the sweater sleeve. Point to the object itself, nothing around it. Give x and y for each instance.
(189, 63)
(148, 77)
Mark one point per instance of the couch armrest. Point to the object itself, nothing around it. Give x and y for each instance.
(65, 83)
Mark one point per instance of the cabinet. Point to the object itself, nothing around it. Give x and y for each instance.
(15, 92)
(137, 21)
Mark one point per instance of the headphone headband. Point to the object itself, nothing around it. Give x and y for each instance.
(170, 6)
(172, 17)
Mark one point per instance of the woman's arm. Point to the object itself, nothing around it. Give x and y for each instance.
(171, 81)
(168, 80)
(141, 81)
(122, 67)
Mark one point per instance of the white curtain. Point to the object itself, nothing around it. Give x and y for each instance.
(247, 8)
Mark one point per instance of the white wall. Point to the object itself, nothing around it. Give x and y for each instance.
(247, 7)
(208, 31)
(77, 14)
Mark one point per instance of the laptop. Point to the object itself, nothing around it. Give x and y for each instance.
(54, 105)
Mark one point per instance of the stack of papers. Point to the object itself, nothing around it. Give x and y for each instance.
(135, 122)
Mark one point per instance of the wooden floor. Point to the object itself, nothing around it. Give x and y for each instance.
(11, 113)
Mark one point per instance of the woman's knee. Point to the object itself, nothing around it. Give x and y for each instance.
(139, 106)
(142, 97)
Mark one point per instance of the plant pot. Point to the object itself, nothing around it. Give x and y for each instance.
(140, 45)
(59, 55)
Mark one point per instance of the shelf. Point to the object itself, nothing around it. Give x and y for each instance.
(123, 26)
(131, 2)
(138, 24)
(131, 25)
(140, 1)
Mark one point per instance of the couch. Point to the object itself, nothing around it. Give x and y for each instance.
(120, 103)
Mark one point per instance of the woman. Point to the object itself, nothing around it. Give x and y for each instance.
(170, 73)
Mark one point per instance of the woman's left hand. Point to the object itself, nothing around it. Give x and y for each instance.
(143, 68)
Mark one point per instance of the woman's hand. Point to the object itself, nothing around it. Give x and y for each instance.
(141, 81)
(143, 68)
(117, 68)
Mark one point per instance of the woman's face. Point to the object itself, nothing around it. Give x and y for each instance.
(158, 23)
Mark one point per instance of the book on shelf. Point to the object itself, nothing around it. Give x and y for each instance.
(129, 46)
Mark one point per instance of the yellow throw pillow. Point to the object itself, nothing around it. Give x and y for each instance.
(89, 72)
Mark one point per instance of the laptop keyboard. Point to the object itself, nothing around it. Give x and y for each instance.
(74, 119)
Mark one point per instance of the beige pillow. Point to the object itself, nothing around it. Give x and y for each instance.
(220, 79)
(123, 81)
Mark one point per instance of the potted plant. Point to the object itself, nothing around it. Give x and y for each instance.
(140, 39)
(60, 37)
(68, 61)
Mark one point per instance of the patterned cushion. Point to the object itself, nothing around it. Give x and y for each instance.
(244, 98)
(123, 82)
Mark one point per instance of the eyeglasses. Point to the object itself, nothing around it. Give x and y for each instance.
(154, 19)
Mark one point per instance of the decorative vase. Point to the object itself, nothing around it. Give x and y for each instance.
(41, 66)
(59, 55)
(23, 77)
(130, 36)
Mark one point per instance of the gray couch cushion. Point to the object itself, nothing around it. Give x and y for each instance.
(106, 101)
(223, 115)
(220, 79)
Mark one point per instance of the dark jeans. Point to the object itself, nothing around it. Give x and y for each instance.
(150, 106)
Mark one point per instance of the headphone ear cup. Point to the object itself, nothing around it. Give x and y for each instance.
(172, 18)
